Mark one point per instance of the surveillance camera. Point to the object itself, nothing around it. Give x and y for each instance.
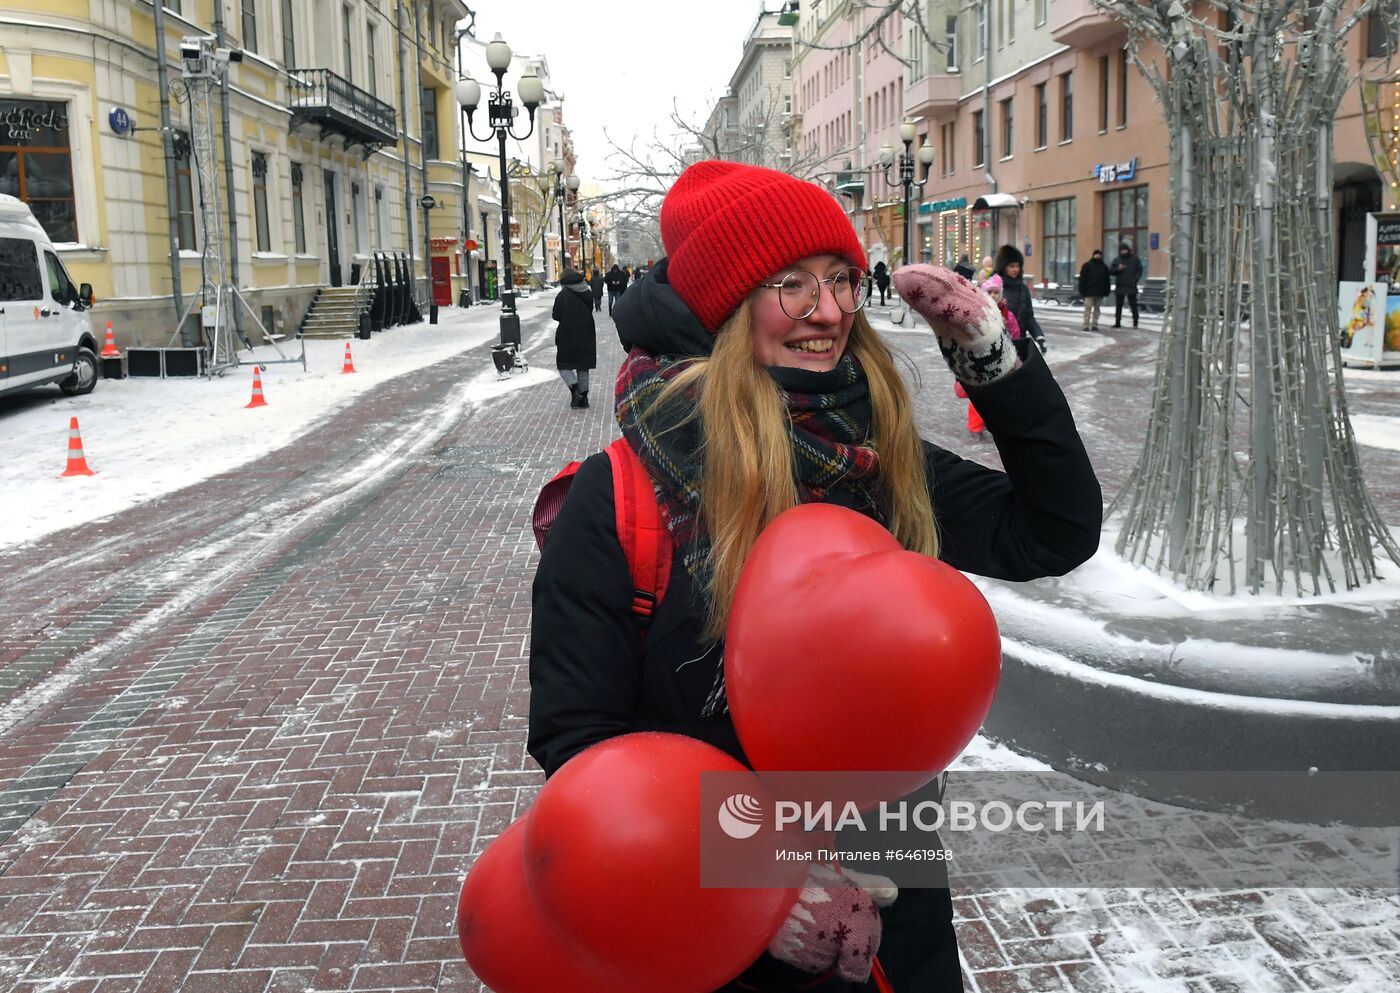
(189, 49)
(235, 55)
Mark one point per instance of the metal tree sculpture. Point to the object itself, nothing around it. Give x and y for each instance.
(1248, 440)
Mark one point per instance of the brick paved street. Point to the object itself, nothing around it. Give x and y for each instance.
(253, 733)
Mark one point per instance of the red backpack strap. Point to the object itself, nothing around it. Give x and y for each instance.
(550, 500)
(645, 541)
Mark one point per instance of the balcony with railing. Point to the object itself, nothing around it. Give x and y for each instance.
(338, 106)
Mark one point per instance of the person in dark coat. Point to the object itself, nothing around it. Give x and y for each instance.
(964, 267)
(1016, 294)
(763, 347)
(616, 283)
(1093, 287)
(595, 283)
(576, 339)
(881, 276)
(1126, 271)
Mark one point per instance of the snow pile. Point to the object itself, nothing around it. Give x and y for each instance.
(149, 437)
(1376, 431)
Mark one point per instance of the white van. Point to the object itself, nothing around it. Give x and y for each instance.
(45, 333)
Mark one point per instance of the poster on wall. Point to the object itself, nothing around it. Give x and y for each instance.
(1383, 268)
(1364, 313)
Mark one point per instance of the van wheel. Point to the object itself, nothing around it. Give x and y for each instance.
(85, 373)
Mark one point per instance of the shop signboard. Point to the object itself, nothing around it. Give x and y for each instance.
(1116, 172)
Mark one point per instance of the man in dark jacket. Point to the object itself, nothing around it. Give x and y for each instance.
(1126, 271)
(576, 340)
(964, 267)
(595, 283)
(1016, 294)
(1093, 287)
(616, 282)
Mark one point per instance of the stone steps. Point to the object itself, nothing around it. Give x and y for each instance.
(335, 313)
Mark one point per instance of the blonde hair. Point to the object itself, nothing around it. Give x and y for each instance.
(748, 472)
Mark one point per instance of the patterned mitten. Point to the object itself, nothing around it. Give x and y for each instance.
(971, 332)
(835, 922)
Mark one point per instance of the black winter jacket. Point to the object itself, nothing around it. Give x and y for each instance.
(1127, 270)
(616, 280)
(596, 285)
(592, 677)
(1017, 296)
(1093, 279)
(576, 340)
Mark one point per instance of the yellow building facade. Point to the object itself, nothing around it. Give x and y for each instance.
(340, 118)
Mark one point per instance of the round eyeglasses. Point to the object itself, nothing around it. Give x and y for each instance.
(799, 291)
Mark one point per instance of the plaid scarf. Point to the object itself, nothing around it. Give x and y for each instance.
(828, 427)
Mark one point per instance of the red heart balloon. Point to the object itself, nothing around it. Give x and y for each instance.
(612, 854)
(508, 945)
(846, 653)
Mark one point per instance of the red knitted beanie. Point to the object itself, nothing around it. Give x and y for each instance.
(726, 226)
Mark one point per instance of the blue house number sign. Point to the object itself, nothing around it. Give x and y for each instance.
(120, 121)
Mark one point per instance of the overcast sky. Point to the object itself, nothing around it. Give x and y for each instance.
(620, 63)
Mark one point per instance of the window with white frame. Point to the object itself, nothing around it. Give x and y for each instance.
(260, 219)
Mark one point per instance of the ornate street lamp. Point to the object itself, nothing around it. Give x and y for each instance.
(502, 112)
(907, 131)
(562, 184)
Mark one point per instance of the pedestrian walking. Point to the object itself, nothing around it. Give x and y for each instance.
(882, 280)
(964, 267)
(1093, 287)
(1126, 271)
(1016, 293)
(595, 283)
(576, 338)
(754, 382)
(616, 283)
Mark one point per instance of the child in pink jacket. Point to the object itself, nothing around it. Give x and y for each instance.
(991, 287)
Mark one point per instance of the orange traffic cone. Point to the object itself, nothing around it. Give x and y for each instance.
(257, 400)
(349, 364)
(109, 349)
(77, 464)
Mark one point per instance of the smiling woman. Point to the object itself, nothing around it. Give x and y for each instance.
(754, 383)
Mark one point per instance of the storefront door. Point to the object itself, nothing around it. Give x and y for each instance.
(332, 230)
(442, 281)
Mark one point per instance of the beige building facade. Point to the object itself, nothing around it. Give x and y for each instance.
(340, 118)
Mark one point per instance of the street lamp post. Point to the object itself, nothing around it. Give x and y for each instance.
(907, 131)
(465, 300)
(562, 186)
(583, 227)
(500, 123)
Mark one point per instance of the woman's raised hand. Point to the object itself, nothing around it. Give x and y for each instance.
(971, 333)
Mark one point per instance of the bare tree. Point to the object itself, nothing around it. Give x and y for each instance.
(642, 173)
(532, 201)
(1248, 440)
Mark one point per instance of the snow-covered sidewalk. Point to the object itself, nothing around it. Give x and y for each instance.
(149, 437)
